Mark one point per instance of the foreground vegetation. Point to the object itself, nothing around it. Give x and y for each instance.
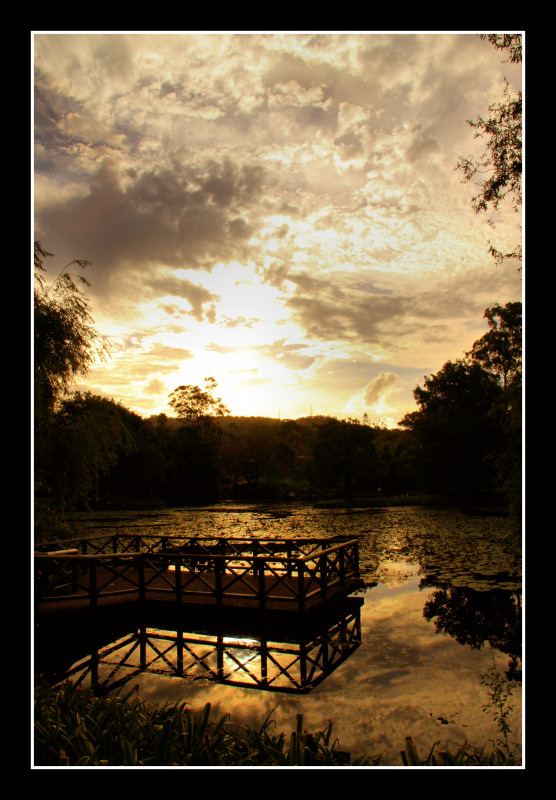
(75, 728)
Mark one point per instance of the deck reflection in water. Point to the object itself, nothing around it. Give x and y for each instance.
(261, 655)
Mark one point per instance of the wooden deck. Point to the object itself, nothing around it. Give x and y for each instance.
(286, 575)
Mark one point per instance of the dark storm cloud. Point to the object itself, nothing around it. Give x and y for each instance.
(180, 217)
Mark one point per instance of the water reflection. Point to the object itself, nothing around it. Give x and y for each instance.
(474, 617)
(443, 600)
(266, 656)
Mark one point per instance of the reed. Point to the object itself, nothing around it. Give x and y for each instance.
(75, 728)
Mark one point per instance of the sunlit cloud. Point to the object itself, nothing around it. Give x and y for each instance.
(279, 210)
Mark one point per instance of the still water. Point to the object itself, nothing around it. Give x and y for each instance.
(441, 605)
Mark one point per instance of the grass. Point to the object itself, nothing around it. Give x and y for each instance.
(75, 728)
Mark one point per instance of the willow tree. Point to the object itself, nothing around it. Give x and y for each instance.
(66, 342)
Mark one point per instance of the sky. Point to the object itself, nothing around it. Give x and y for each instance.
(280, 211)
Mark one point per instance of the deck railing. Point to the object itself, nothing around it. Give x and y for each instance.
(261, 572)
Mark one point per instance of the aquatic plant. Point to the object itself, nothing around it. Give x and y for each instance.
(500, 690)
(75, 728)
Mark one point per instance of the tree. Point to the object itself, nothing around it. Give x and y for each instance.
(344, 456)
(500, 350)
(455, 432)
(65, 340)
(501, 161)
(87, 436)
(195, 405)
(506, 41)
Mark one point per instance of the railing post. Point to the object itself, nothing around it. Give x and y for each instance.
(93, 582)
(323, 576)
(222, 546)
(259, 567)
(289, 556)
(342, 567)
(218, 580)
(177, 564)
(356, 558)
(141, 575)
(179, 649)
(300, 585)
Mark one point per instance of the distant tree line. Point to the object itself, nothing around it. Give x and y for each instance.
(91, 452)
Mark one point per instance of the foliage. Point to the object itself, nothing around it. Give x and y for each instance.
(465, 756)
(86, 437)
(65, 340)
(344, 456)
(257, 457)
(500, 691)
(75, 728)
(454, 430)
(500, 350)
(192, 467)
(501, 160)
(473, 617)
(195, 405)
(506, 41)
(467, 431)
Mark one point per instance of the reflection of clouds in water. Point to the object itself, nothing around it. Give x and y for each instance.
(399, 683)
(405, 675)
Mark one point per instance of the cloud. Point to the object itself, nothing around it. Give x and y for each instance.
(380, 387)
(154, 387)
(184, 217)
(197, 296)
(289, 197)
(329, 312)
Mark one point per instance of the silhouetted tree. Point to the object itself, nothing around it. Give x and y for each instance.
(192, 468)
(195, 405)
(501, 161)
(87, 436)
(455, 431)
(500, 349)
(499, 352)
(344, 456)
(65, 340)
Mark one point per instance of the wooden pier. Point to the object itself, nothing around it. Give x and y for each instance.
(224, 573)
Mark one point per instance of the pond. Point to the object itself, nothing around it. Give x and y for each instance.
(441, 606)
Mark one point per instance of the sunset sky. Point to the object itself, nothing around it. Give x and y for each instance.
(278, 210)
